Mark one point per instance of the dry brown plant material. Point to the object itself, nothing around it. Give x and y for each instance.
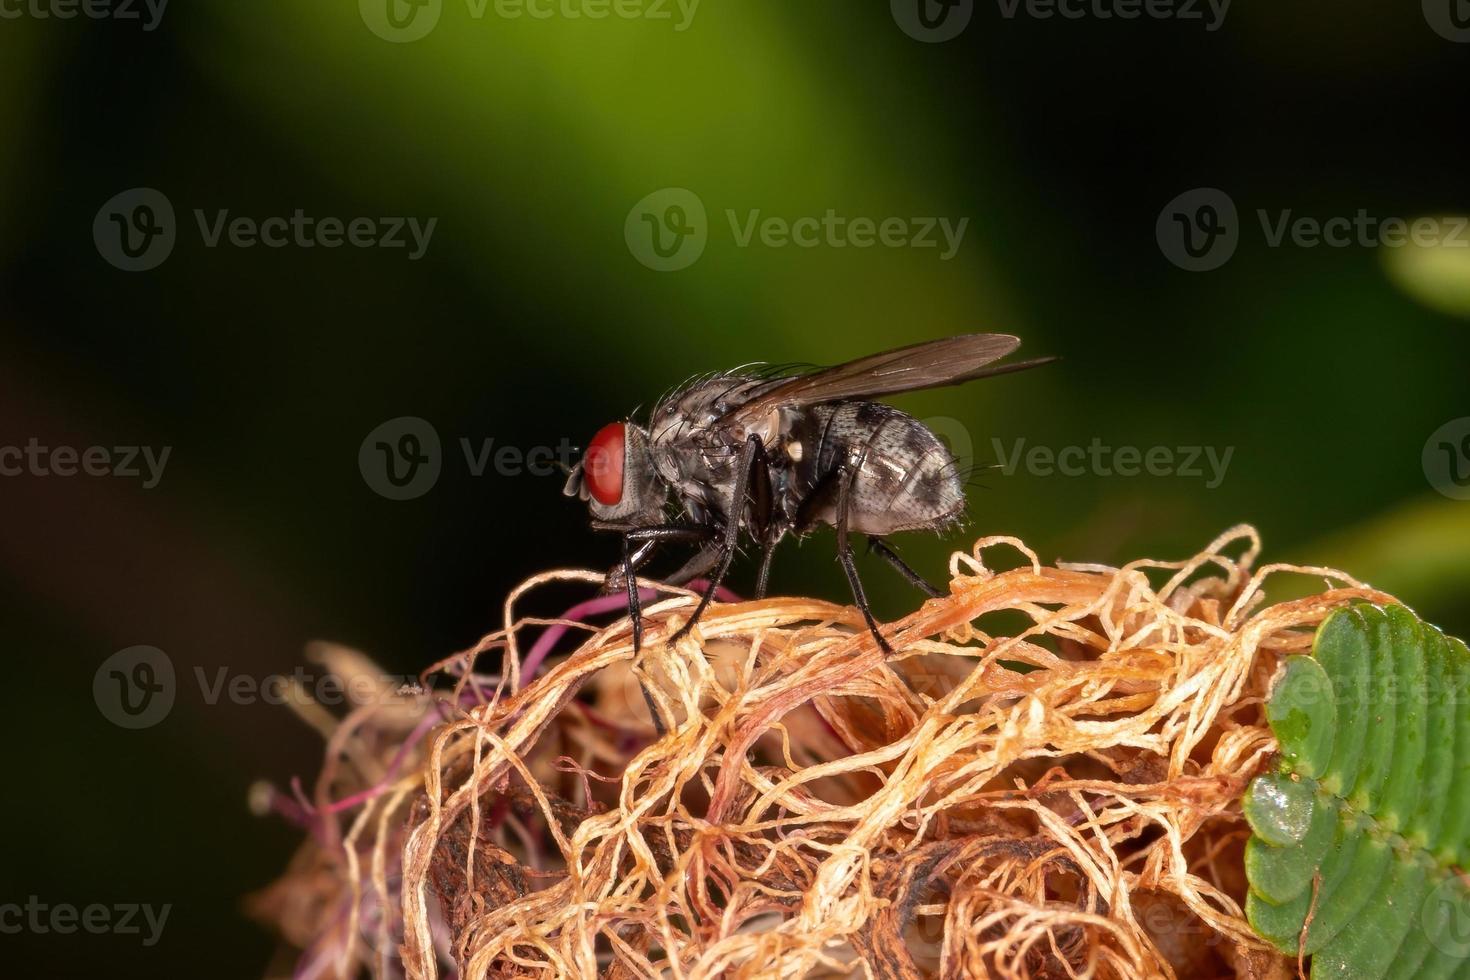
(1044, 782)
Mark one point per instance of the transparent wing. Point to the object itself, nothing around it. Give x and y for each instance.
(934, 364)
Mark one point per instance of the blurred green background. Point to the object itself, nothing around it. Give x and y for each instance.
(530, 320)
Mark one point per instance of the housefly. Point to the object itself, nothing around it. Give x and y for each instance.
(762, 455)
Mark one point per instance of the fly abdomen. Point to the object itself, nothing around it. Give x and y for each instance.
(905, 479)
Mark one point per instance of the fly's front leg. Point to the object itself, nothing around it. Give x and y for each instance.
(635, 606)
(648, 539)
(846, 476)
(635, 613)
(733, 514)
(617, 576)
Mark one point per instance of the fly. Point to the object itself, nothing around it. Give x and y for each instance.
(743, 454)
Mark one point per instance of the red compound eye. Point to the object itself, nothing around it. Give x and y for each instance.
(602, 467)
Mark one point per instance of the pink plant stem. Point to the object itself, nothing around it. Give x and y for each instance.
(420, 730)
(592, 607)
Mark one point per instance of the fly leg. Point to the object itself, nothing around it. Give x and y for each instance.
(617, 576)
(886, 552)
(733, 519)
(647, 539)
(764, 526)
(702, 561)
(845, 478)
(768, 552)
(635, 612)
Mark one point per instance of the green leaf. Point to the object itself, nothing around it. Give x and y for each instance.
(1359, 836)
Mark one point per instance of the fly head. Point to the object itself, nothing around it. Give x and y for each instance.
(617, 478)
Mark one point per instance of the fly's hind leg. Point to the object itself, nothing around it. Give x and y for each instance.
(885, 551)
(845, 477)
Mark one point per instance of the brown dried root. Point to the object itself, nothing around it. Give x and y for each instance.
(1044, 782)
